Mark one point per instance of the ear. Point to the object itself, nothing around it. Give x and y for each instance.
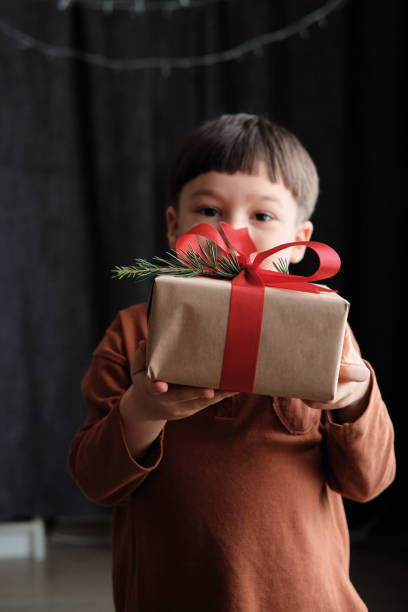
(303, 232)
(172, 226)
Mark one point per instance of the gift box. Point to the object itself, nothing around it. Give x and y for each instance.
(263, 331)
(297, 355)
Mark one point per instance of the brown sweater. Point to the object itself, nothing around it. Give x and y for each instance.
(237, 508)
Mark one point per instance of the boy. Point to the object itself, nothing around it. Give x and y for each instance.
(227, 502)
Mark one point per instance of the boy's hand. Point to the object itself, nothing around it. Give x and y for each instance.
(353, 385)
(163, 401)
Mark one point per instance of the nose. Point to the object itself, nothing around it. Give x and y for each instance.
(235, 220)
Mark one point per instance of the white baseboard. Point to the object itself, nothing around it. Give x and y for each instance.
(23, 539)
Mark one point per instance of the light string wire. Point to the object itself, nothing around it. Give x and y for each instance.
(254, 45)
(137, 6)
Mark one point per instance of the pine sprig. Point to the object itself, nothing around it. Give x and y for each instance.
(282, 265)
(189, 264)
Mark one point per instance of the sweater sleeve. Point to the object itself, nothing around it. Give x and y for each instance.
(361, 455)
(99, 458)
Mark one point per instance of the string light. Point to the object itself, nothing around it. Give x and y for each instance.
(137, 6)
(107, 6)
(64, 4)
(165, 70)
(166, 65)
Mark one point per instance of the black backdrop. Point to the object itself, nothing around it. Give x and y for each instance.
(84, 156)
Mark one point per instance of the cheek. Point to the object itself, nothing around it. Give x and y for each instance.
(184, 225)
(264, 243)
(276, 233)
(190, 220)
(266, 240)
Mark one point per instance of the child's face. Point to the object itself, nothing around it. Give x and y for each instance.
(267, 209)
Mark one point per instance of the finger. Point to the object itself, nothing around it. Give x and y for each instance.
(350, 352)
(220, 395)
(159, 386)
(184, 393)
(139, 360)
(154, 387)
(181, 393)
(357, 372)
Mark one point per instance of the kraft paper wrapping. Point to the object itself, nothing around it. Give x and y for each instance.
(301, 338)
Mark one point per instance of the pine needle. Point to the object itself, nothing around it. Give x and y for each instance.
(189, 264)
(282, 265)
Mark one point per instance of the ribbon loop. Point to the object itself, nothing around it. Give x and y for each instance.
(240, 240)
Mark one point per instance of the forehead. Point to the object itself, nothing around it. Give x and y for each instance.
(256, 186)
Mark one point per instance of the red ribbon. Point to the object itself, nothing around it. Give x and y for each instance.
(247, 294)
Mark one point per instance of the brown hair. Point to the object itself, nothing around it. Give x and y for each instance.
(233, 143)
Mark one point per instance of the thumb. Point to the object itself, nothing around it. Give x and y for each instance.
(352, 367)
(357, 372)
(139, 360)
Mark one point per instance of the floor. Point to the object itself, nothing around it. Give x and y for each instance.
(75, 577)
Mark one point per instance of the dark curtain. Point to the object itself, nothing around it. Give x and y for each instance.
(84, 157)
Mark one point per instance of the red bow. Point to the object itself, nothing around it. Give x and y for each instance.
(247, 294)
(250, 259)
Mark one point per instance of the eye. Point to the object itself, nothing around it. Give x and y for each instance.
(263, 217)
(208, 211)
